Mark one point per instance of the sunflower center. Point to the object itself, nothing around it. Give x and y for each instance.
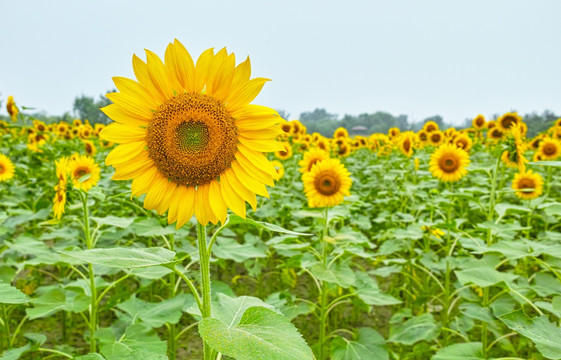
(81, 171)
(507, 121)
(192, 139)
(480, 122)
(526, 183)
(449, 164)
(327, 184)
(2, 169)
(549, 149)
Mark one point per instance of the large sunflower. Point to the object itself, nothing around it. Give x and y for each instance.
(7, 168)
(310, 158)
(448, 163)
(189, 136)
(528, 185)
(327, 183)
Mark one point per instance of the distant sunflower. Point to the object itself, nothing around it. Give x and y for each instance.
(62, 171)
(478, 122)
(430, 126)
(310, 158)
(76, 122)
(279, 168)
(549, 149)
(448, 163)
(406, 145)
(286, 128)
(344, 150)
(12, 108)
(59, 201)
(491, 124)
(84, 172)
(327, 183)
(285, 152)
(90, 148)
(435, 138)
(341, 132)
(464, 142)
(423, 136)
(323, 144)
(393, 132)
(189, 136)
(62, 128)
(535, 143)
(7, 168)
(528, 185)
(495, 134)
(509, 159)
(506, 121)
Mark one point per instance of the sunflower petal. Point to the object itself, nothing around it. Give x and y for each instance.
(125, 152)
(122, 133)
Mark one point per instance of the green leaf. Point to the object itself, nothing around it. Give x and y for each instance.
(415, 329)
(90, 356)
(151, 227)
(11, 295)
(137, 337)
(260, 334)
(546, 163)
(115, 221)
(369, 292)
(123, 258)
(56, 300)
(465, 351)
(503, 208)
(15, 353)
(484, 276)
(543, 333)
(235, 219)
(369, 345)
(228, 248)
(154, 314)
(339, 274)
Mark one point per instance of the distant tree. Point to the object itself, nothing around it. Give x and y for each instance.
(86, 107)
(316, 115)
(283, 114)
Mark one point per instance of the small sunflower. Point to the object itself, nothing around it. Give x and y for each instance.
(423, 136)
(76, 122)
(406, 145)
(478, 122)
(323, 144)
(448, 163)
(435, 138)
(549, 149)
(464, 142)
(491, 124)
(430, 126)
(393, 132)
(62, 128)
(12, 108)
(59, 201)
(285, 153)
(327, 183)
(90, 148)
(506, 121)
(310, 158)
(189, 137)
(495, 134)
(528, 185)
(286, 128)
(279, 169)
(84, 172)
(62, 171)
(509, 159)
(340, 132)
(344, 150)
(7, 168)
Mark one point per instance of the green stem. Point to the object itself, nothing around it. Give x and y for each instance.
(89, 246)
(204, 261)
(6, 324)
(323, 296)
(171, 294)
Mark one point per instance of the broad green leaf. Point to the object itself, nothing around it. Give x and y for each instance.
(56, 300)
(90, 356)
(476, 311)
(369, 292)
(15, 353)
(137, 337)
(546, 163)
(229, 309)
(484, 277)
(546, 285)
(543, 333)
(119, 222)
(503, 208)
(260, 334)
(465, 351)
(415, 329)
(228, 248)
(368, 345)
(124, 258)
(235, 219)
(151, 227)
(340, 274)
(154, 314)
(11, 295)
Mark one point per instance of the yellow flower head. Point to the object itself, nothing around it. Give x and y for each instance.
(285, 152)
(430, 126)
(340, 132)
(89, 147)
(12, 108)
(448, 163)
(528, 185)
(59, 201)
(7, 168)
(326, 183)
(464, 142)
(435, 137)
(62, 170)
(406, 144)
(478, 122)
(189, 136)
(505, 122)
(310, 158)
(84, 172)
(549, 149)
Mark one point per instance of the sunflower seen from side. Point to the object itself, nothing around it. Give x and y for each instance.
(528, 185)
(327, 183)
(7, 168)
(448, 163)
(189, 137)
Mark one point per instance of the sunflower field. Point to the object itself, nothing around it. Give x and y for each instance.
(133, 240)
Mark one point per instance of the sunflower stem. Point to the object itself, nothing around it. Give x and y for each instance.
(204, 260)
(171, 293)
(89, 246)
(323, 295)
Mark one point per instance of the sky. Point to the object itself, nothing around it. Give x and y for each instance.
(419, 58)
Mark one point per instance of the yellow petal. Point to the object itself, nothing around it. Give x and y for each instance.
(184, 67)
(248, 181)
(202, 68)
(141, 72)
(116, 114)
(246, 94)
(261, 134)
(217, 204)
(241, 190)
(122, 133)
(132, 169)
(186, 205)
(261, 145)
(254, 171)
(130, 105)
(155, 193)
(158, 74)
(169, 58)
(134, 89)
(125, 152)
(231, 198)
(257, 158)
(143, 182)
(201, 200)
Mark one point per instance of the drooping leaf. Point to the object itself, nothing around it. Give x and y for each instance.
(124, 258)
(11, 295)
(155, 314)
(484, 276)
(340, 274)
(235, 219)
(368, 345)
(465, 351)
(137, 337)
(415, 329)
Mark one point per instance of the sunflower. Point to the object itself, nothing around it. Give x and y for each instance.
(423, 136)
(59, 201)
(310, 158)
(62, 128)
(84, 172)
(430, 126)
(495, 134)
(344, 150)
(285, 152)
(189, 136)
(7, 168)
(435, 138)
(286, 128)
(464, 142)
(340, 132)
(86, 131)
(478, 122)
(279, 168)
(323, 144)
(509, 159)
(76, 122)
(39, 126)
(327, 183)
(448, 163)
(62, 170)
(12, 108)
(506, 121)
(535, 143)
(528, 185)
(89, 147)
(491, 124)
(393, 132)
(406, 145)
(105, 144)
(549, 149)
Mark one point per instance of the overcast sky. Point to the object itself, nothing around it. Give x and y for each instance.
(419, 58)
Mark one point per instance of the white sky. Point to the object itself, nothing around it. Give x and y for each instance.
(420, 58)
